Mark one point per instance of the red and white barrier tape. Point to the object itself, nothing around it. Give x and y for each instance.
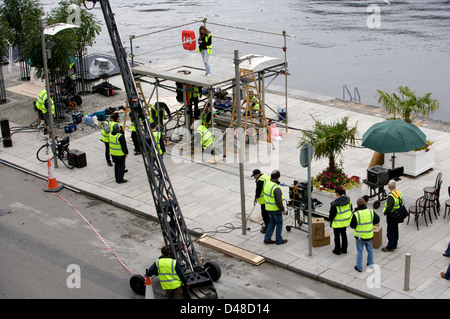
(101, 238)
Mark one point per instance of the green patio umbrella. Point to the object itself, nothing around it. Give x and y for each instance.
(393, 136)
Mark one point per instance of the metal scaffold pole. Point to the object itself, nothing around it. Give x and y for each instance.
(241, 138)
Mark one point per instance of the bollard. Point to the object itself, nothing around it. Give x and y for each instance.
(407, 271)
(6, 133)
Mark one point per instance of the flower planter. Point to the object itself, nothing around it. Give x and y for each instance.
(327, 198)
(414, 163)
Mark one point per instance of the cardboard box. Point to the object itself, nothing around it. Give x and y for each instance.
(377, 236)
(317, 228)
(321, 242)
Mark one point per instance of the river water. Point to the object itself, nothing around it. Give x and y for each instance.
(365, 44)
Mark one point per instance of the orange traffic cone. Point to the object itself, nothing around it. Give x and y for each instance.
(149, 294)
(52, 184)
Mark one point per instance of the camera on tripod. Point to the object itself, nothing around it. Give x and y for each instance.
(298, 196)
(298, 201)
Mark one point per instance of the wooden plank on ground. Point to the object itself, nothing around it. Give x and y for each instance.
(231, 250)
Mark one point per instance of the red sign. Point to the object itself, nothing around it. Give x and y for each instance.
(188, 39)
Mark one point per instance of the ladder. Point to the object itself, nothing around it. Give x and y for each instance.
(252, 106)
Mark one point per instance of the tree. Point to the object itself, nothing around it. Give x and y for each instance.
(329, 140)
(65, 45)
(70, 11)
(18, 13)
(6, 31)
(21, 16)
(407, 105)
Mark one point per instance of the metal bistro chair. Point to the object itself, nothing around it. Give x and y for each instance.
(429, 190)
(433, 201)
(447, 204)
(419, 208)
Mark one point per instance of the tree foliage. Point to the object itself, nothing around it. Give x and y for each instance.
(407, 105)
(20, 16)
(23, 18)
(329, 140)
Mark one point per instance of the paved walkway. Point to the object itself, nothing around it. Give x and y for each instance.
(209, 194)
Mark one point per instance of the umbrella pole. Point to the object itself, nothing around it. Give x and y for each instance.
(393, 160)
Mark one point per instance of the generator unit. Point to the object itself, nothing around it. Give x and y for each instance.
(378, 175)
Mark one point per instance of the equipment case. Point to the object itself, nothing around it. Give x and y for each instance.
(78, 158)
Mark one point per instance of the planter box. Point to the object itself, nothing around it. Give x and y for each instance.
(327, 198)
(414, 163)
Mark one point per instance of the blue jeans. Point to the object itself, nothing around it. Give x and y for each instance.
(205, 57)
(275, 221)
(447, 274)
(359, 249)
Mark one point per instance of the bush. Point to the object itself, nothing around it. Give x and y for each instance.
(330, 179)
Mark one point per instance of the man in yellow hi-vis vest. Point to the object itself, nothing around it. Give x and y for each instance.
(260, 181)
(159, 139)
(392, 203)
(362, 222)
(41, 106)
(203, 137)
(170, 275)
(273, 198)
(119, 151)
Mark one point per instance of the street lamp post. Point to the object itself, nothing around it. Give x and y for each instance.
(51, 30)
(47, 87)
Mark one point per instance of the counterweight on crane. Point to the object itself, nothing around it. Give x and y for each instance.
(176, 235)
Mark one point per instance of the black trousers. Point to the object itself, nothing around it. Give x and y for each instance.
(107, 156)
(119, 168)
(137, 147)
(265, 215)
(392, 233)
(340, 234)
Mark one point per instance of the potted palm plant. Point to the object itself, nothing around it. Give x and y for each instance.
(329, 141)
(408, 106)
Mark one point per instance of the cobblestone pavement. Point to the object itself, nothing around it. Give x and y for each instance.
(19, 108)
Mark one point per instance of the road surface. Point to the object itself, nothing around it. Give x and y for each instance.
(48, 250)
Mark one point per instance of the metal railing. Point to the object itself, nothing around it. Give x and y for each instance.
(355, 98)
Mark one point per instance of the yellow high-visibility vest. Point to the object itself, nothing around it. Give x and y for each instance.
(208, 47)
(364, 228)
(396, 200)
(269, 196)
(207, 137)
(157, 136)
(115, 149)
(264, 178)
(40, 103)
(167, 274)
(343, 216)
